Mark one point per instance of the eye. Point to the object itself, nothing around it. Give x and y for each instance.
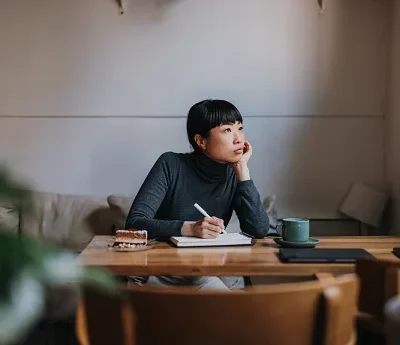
(227, 130)
(241, 128)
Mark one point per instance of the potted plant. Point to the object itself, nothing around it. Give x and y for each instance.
(30, 270)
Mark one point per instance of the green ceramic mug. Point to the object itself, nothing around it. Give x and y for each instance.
(295, 229)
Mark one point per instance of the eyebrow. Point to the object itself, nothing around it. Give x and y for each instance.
(231, 123)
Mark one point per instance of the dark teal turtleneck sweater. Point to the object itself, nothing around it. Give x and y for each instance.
(179, 180)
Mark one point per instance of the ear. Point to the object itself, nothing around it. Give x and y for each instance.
(200, 141)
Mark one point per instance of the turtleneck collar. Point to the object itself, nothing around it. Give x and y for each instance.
(207, 168)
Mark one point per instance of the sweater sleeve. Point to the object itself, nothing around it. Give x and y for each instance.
(149, 198)
(249, 209)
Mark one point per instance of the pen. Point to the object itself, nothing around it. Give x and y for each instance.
(205, 214)
(247, 235)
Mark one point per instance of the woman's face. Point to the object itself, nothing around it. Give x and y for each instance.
(225, 143)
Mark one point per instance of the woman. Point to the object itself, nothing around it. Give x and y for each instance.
(215, 175)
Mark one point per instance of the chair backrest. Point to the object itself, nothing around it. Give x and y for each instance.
(379, 281)
(288, 314)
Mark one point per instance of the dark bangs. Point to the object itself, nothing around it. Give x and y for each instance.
(222, 113)
(207, 114)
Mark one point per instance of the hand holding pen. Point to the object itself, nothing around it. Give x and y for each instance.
(208, 227)
(214, 220)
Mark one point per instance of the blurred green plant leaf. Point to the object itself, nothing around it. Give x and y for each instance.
(24, 258)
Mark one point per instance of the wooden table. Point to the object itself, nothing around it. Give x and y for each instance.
(258, 260)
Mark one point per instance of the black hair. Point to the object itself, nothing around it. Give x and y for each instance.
(205, 115)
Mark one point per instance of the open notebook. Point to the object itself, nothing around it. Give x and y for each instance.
(234, 239)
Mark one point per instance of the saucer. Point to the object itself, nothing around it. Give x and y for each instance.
(311, 243)
(150, 244)
(136, 249)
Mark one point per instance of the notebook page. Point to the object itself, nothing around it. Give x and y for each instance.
(221, 238)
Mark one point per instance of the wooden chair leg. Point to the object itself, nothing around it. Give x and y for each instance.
(81, 325)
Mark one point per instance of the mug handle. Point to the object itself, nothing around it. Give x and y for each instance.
(275, 230)
(279, 227)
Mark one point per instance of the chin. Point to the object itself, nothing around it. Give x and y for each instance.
(226, 158)
(235, 159)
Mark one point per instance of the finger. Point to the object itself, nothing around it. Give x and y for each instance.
(206, 234)
(249, 149)
(214, 228)
(211, 234)
(220, 223)
(215, 221)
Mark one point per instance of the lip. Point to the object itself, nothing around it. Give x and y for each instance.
(238, 150)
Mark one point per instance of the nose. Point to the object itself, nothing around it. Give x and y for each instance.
(238, 138)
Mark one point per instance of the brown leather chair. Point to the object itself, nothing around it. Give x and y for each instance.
(315, 312)
(379, 281)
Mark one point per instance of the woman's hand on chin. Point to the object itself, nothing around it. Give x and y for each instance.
(240, 168)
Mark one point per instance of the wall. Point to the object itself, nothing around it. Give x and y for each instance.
(393, 122)
(89, 98)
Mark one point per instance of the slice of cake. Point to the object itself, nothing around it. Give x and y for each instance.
(130, 238)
